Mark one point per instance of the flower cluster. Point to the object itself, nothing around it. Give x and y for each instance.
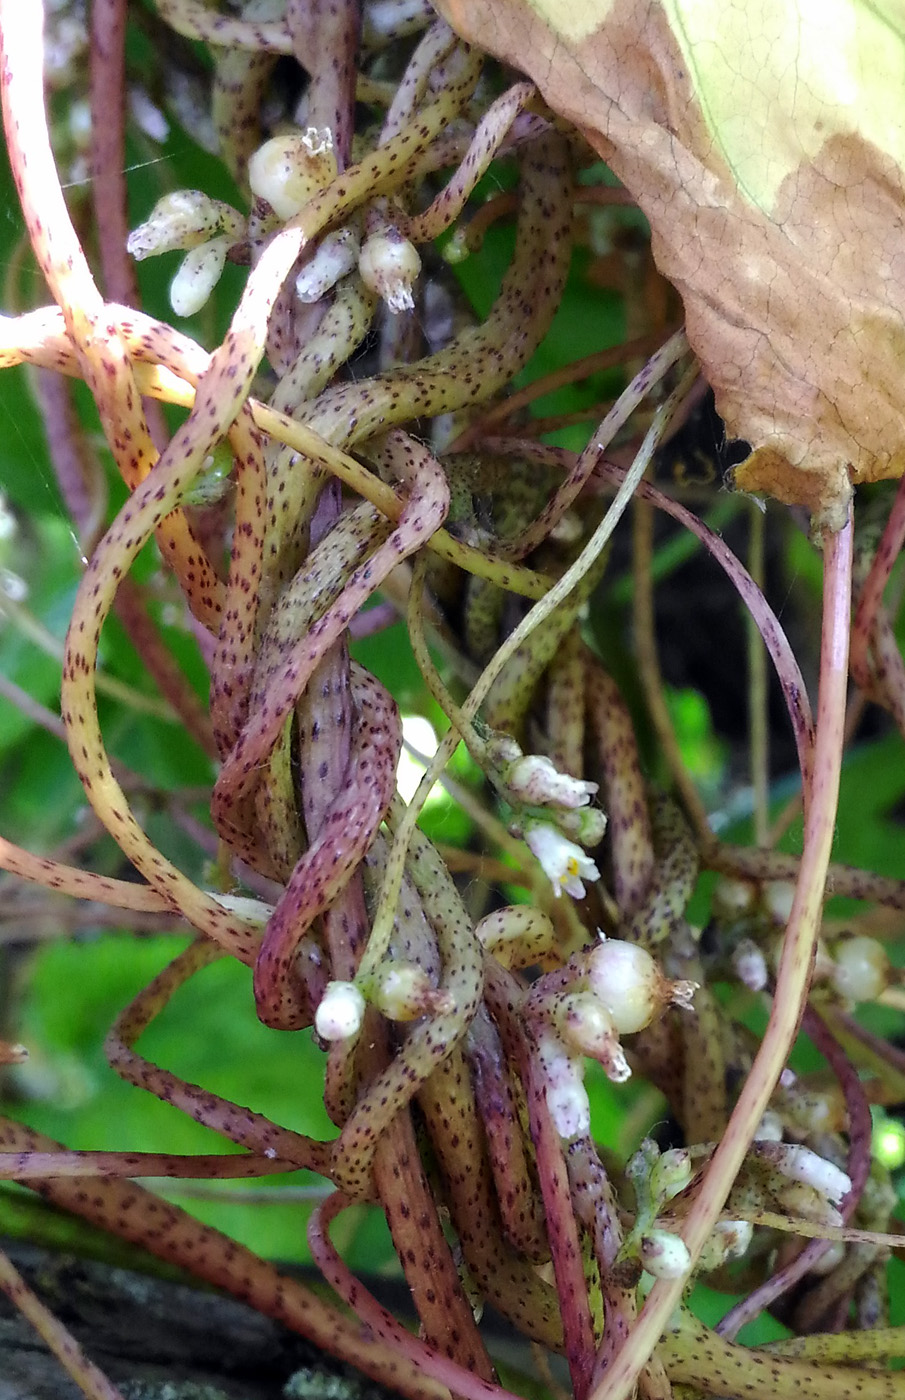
(552, 814)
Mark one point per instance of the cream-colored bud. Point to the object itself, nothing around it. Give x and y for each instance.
(340, 1012)
(664, 1254)
(184, 219)
(860, 968)
(534, 779)
(198, 274)
(389, 265)
(287, 170)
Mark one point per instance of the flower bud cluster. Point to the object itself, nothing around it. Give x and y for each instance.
(552, 813)
(656, 1179)
(204, 228)
(399, 989)
(582, 1010)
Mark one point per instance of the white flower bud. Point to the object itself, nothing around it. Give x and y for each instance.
(801, 1164)
(732, 899)
(664, 1255)
(860, 969)
(587, 1026)
(564, 1091)
(564, 863)
(198, 274)
(183, 219)
(587, 825)
(750, 965)
(534, 779)
(287, 170)
(778, 896)
(336, 255)
(389, 265)
(340, 1012)
(628, 981)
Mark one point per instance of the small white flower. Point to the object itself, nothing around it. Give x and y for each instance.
(564, 863)
(533, 778)
(340, 1012)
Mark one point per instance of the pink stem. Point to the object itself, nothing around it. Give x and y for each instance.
(562, 1232)
(349, 826)
(27, 1166)
(794, 969)
(376, 1318)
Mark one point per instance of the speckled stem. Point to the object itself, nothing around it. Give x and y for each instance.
(241, 1125)
(846, 881)
(482, 359)
(239, 633)
(103, 358)
(240, 82)
(567, 492)
(624, 794)
(382, 1323)
(91, 1381)
(489, 136)
(315, 588)
(447, 1101)
(869, 610)
(347, 830)
(325, 36)
(431, 1040)
(676, 869)
(193, 19)
(521, 1209)
(562, 1227)
(39, 338)
(586, 561)
(448, 1323)
(80, 474)
(28, 1166)
(125, 1209)
(433, 49)
(428, 501)
(697, 1356)
(794, 969)
(566, 705)
(596, 1208)
(80, 884)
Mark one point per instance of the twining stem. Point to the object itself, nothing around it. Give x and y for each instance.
(794, 970)
(383, 919)
(92, 1382)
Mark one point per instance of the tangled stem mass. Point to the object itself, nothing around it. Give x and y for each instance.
(368, 447)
